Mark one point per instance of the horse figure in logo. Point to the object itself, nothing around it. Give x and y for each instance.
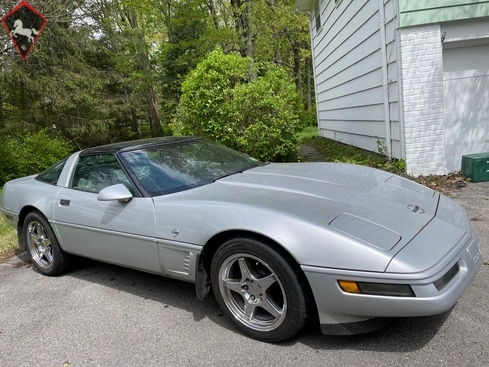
(18, 29)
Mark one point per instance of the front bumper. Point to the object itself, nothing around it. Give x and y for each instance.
(337, 307)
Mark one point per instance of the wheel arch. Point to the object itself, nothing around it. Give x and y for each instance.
(41, 242)
(213, 244)
(20, 224)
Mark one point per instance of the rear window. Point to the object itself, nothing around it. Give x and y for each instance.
(51, 175)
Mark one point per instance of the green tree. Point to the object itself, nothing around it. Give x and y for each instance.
(189, 39)
(90, 73)
(268, 31)
(58, 86)
(19, 155)
(139, 22)
(110, 70)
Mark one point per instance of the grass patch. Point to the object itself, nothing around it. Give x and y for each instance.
(334, 151)
(309, 133)
(8, 239)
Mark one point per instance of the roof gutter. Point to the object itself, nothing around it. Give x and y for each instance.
(303, 6)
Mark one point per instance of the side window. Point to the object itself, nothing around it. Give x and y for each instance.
(52, 174)
(95, 172)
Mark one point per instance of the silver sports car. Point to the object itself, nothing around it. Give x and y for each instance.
(277, 244)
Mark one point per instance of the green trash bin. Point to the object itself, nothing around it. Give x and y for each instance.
(476, 166)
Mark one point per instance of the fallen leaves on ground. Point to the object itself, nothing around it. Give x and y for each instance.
(444, 184)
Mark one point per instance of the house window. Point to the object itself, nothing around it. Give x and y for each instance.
(317, 14)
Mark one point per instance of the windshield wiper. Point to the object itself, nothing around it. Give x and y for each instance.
(240, 171)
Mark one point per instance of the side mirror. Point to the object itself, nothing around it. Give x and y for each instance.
(115, 192)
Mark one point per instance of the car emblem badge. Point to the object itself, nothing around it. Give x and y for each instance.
(415, 209)
(477, 256)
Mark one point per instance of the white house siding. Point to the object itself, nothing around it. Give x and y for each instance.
(422, 97)
(465, 89)
(349, 76)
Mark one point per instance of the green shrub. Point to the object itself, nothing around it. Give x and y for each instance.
(30, 153)
(260, 117)
(267, 111)
(205, 106)
(309, 118)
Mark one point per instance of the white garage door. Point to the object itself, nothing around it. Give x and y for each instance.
(465, 102)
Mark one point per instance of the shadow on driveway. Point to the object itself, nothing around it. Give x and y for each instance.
(401, 335)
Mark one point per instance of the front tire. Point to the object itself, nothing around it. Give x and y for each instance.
(43, 247)
(259, 289)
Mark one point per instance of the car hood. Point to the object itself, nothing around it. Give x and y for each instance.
(326, 214)
(372, 205)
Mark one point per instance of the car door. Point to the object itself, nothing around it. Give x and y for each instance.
(117, 232)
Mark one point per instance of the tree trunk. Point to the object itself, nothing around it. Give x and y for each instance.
(309, 84)
(297, 67)
(154, 114)
(249, 44)
(144, 64)
(242, 18)
(2, 113)
(249, 34)
(133, 117)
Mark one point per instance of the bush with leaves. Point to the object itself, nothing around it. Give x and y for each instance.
(30, 153)
(258, 117)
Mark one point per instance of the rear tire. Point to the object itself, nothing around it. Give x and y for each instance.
(258, 288)
(42, 246)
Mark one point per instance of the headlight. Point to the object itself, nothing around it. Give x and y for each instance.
(376, 289)
(444, 280)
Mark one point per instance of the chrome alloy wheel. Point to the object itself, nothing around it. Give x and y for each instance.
(39, 245)
(252, 292)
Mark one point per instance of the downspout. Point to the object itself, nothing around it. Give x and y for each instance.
(402, 135)
(313, 61)
(383, 48)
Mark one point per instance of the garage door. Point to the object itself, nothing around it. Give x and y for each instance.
(465, 102)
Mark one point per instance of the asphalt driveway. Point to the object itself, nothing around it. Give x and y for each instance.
(104, 315)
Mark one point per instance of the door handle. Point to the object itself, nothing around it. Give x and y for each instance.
(64, 202)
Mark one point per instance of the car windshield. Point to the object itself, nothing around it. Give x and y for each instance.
(180, 166)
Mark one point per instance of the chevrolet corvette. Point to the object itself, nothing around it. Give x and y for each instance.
(275, 243)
